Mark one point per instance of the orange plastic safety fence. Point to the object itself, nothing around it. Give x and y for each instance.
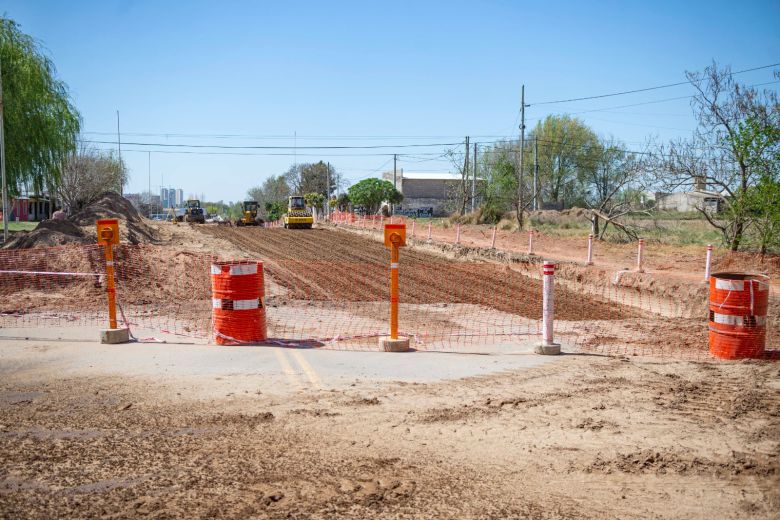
(330, 289)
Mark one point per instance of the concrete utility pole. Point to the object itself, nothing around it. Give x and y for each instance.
(474, 180)
(395, 179)
(466, 173)
(150, 183)
(536, 173)
(2, 162)
(119, 146)
(327, 190)
(522, 148)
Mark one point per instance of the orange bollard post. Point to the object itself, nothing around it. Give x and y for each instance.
(107, 236)
(395, 238)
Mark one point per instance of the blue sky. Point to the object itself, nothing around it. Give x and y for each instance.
(372, 73)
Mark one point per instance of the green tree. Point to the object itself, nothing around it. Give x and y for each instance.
(498, 188)
(371, 193)
(342, 202)
(275, 209)
(566, 156)
(41, 125)
(315, 200)
(273, 188)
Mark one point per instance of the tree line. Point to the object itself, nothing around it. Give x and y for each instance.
(734, 152)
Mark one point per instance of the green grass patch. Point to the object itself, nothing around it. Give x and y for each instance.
(21, 226)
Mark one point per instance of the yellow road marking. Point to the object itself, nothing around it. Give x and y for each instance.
(292, 377)
(308, 369)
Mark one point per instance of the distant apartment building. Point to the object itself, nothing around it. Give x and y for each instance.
(172, 197)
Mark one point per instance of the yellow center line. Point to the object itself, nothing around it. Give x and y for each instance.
(292, 377)
(308, 369)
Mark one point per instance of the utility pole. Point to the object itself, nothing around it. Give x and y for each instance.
(522, 148)
(395, 178)
(327, 189)
(119, 145)
(465, 174)
(474, 180)
(536, 173)
(2, 163)
(150, 183)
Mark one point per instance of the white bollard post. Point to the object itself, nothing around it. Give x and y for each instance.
(413, 223)
(430, 238)
(531, 242)
(640, 256)
(708, 263)
(548, 347)
(590, 250)
(493, 240)
(457, 234)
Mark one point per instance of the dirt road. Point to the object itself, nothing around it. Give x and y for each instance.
(583, 437)
(322, 264)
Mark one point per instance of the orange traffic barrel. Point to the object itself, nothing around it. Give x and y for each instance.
(738, 307)
(237, 300)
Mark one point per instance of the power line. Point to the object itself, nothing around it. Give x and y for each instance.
(280, 154)
(668, 85)
(267, 147)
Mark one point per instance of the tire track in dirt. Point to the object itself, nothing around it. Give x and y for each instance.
(332, 266)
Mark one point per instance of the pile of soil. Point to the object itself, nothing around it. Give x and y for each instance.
(113, 205)
(57, 232)
(50, 233)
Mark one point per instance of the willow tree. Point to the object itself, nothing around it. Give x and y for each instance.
(40, 123)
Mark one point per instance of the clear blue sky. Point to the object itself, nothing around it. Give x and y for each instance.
(389, 73)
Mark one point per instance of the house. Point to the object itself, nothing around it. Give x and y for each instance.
(700, 198)
(426, 194)
(26, 209)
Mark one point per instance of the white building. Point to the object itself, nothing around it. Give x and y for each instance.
(426, 193)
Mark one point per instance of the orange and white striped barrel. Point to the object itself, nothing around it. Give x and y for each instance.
(738, 307)
(237, 300)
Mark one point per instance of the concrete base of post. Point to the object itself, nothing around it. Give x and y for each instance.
(387, 344)
(115, 336)
(588, 263)
(545, 349)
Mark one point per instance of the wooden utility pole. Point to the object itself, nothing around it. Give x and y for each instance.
(327, 190)
(2, 162)
(474, 181)
(536, 173)
(119, 146)
(520, 201)
(465, 179)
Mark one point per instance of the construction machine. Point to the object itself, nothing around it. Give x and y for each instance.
(249, 214)
(297, 216)
(194, 213)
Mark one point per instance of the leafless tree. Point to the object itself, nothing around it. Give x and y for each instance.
(716, 154)
(88, 173)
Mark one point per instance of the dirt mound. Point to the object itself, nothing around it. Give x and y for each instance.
(50, 233)
(55, 232)
(113, 205)
(109, 205)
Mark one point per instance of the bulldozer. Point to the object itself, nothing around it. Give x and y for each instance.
(297, 216)
(249, 214)
(194, 213)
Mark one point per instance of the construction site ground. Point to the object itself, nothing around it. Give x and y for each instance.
(196, 430)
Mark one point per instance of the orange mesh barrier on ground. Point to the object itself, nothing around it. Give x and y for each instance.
(326, 288)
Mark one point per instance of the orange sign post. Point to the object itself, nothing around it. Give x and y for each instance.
(108, 236)
(395, 238)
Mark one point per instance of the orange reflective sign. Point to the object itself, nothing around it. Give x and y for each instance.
(395, 229)
(107, 231)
